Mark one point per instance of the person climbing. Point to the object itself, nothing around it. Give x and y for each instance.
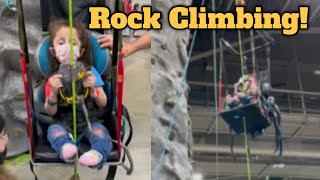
(274, 114)
(245, 92)
(143, 42)
(59, 133)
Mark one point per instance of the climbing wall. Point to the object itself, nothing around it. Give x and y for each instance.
(168, 58)
(12, 104)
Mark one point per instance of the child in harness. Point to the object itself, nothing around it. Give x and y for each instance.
(245, 92)
(59, 134)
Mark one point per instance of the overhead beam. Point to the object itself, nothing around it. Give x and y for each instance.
(237, 171)
(202, 148)
(311, 30)
(268, 137)
(272, 90)
(209, 53)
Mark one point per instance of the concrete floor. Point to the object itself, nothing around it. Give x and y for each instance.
(138, 101)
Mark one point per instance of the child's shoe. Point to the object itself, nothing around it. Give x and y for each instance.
(69, 152)
(91, 158)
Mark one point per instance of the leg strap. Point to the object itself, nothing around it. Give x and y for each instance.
(111, 173)
(32, 170)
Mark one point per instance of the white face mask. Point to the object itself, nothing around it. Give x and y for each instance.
(63, 53)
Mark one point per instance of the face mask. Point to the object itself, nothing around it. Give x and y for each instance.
(63, 53)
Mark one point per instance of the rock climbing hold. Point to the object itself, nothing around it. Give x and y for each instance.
(172, 135)
(170, 102)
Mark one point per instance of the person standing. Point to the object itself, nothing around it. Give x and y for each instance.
(143, 42)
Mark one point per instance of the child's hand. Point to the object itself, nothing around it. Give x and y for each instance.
(55, 83)
(90, 81)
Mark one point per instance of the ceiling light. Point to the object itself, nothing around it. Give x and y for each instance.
(210, 68)
(316, 72)
(197, 176)
(280, 165)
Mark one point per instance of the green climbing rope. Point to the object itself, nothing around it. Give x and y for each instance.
(72, 62)
(244, 120)
(215, 92)
(241, 53)
(246, 148)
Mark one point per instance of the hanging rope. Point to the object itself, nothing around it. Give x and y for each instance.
(220, 78)
(241, 53)
(246, 148)
(215, 73)
(72, 62)
(221, 103)
(244, 120)
(253, 53)
(156, 174)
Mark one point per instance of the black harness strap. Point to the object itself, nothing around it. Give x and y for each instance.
(234, 157)
(276, 118)
(116, 48)
(32, 170)
(45, 14)
(111, 172)
(125, 113)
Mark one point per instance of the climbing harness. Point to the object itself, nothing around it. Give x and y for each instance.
(72, 62)
(78, 73)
